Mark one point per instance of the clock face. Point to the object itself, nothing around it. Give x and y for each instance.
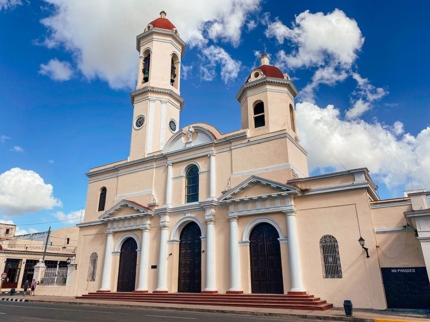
(140, 121)
(172, 126)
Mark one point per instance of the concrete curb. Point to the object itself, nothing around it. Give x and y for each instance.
(13, 299)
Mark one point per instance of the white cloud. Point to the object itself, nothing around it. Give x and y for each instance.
(389, 154)
(18, 230)
(9, 4)
(104, 46)
(213, 56)
(17, 149)
(73, 217)
(57, 70)
(3, 138)
(24, 191)
(51, 161)
(251, 25)
(328, 45)
(185, 70)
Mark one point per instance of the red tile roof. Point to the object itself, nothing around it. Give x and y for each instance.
(269, 71)
(162, 23)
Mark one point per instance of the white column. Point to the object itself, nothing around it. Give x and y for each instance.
(142, 284)
(212, 179)
(169, 185)
(107, 265)
(294, 254)
(235, 285)
(162, 259)
(210, 285)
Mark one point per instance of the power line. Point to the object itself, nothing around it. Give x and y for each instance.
(47, 222)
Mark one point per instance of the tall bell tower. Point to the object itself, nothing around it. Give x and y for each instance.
(156, 101)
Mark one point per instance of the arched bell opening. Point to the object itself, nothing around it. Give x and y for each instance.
(174, 71)
(146, 64)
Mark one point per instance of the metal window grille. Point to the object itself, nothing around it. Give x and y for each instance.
(330, 257)
(54, 277)
(192, 187)
(92, 269)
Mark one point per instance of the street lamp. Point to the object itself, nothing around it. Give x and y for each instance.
(361, 241)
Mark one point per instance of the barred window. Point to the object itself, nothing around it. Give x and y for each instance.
(92, 269)
(330, 257)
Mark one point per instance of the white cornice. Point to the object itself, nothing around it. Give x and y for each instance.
(393, 230)
(267, 81)
(153, 31)
(390, 204)
(91, 223)
(152, 89)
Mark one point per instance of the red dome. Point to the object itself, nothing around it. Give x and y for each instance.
(162, 23)
(269, 71)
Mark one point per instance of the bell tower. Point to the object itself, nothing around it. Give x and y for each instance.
(267, 101)
(157, 102)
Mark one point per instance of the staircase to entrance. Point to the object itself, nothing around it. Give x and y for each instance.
(284, 301)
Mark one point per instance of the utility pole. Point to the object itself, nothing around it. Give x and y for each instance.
(46, 244)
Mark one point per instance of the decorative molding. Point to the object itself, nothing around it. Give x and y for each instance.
(134, 194)
(154, 31)
(393, 230)
(265, 81)
(244, 243)
(125, 203)
(122, 239)
(255, 222)
(266, 169)
(283, 240)
(160, 90)
(390, 204)
(181, 223)
(272, 90)
(91, 223)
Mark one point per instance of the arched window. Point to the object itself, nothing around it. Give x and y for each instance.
(192, 186)
(146, 64)
(292, 120)
(92, 269)
(102, 199)
(330, 257)
(259, 115)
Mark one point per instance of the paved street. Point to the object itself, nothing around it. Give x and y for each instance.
(35, 312)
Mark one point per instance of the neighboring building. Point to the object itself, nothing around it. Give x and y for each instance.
(195, 210)
(19, 255)
(7, 231)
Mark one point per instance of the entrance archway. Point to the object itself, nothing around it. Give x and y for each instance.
(190, 259)
(127, 266)
(266, 265)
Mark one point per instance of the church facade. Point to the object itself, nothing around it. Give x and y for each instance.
(196, 210)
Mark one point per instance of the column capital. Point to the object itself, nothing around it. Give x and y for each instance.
(290, 212)
(232, 217)
(164, 225)
(169, 164)
(210, 215)
(212, 154)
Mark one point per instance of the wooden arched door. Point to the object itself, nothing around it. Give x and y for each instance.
(190, 259)
(266, 266)
(127, 266)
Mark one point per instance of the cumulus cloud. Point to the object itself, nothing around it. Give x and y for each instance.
(18, 230)
(389, 153)
(3, 138)
(104, 46)
(213, 56)
(17, 149)
(57, 70)
(24, 191)
(329, 45)
(185, 70)
(73, 217)
(9, 4)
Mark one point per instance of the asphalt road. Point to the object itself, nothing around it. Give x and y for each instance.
(38, 312)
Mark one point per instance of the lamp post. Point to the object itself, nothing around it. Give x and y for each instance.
(361, 241)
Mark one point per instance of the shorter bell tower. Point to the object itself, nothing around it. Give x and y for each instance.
(157, 102)
(267, 101)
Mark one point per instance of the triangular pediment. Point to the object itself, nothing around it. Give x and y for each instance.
(255, 187)
(125, 209)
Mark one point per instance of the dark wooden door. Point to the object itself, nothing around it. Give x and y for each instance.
(127, 266)
(266, 267)
(190, 259)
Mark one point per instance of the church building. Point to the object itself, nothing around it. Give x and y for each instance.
(194, 210)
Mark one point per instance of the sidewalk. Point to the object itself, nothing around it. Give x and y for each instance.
(336, 314)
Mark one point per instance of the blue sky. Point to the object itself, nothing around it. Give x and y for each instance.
(67, 68)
